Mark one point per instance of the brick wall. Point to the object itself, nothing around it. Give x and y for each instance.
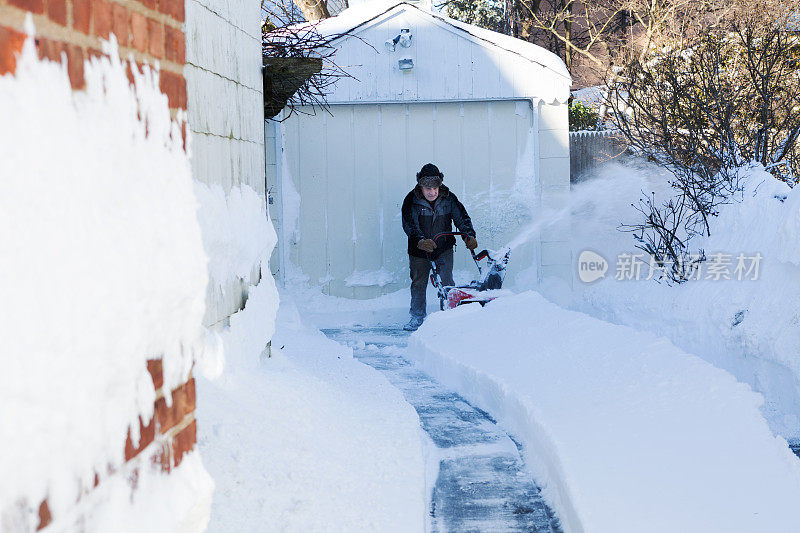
(149, 30)
(163, 441)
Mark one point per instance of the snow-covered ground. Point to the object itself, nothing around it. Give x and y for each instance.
(636, 427)
(476, 473)
(325, 311)
(626, 432)
(627, 429)
(309, 439)
(747, 327)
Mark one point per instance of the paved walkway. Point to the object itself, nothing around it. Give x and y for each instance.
(483, 484)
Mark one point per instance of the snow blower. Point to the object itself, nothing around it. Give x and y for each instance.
(481, 290)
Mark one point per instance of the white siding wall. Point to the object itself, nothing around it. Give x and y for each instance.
(273, 150)
(554, 172)
(225, 111)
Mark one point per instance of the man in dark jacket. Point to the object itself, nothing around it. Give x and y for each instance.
(428, 210)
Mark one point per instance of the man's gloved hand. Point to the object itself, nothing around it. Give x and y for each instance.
(471, 243)
(427, 245)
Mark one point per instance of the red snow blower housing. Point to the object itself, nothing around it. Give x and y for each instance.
(481, 290)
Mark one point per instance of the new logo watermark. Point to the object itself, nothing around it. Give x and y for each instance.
(717, 266)
(591, 266)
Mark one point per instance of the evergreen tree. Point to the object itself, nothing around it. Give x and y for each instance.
(489, 14)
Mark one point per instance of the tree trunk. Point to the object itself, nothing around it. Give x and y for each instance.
(313, 9)
(568, 35)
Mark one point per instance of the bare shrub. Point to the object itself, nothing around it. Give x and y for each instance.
(299, 62)
(704, 104)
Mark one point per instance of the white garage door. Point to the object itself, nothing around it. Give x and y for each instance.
(352, 170)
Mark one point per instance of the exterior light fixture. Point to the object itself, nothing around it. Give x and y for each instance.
(403, 38)
(405, 64)
(391, 44)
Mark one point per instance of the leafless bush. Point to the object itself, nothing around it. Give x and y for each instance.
(703, 105)
(299, 61)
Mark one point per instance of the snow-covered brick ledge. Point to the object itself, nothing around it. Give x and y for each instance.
(626, 432)
(103, 292)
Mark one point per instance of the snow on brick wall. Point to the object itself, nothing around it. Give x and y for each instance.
(225, 115)
(137, 418)
(104, 291)
(146, 29)
(111, 455)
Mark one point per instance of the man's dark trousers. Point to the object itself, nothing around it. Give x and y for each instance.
(420, 269)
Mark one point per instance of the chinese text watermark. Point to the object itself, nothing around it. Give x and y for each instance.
(717, 266)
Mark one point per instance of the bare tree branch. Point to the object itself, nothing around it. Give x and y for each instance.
(299, 62)
(705, 100)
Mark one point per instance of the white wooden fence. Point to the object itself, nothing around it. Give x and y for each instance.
(587, 149)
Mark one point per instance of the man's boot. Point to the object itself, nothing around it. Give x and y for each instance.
(414, 323)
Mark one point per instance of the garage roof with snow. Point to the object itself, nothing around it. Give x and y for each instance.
(451, 60)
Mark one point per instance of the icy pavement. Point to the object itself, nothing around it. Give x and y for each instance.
(482, 483)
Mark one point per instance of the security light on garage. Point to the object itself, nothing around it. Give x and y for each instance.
(403, 38)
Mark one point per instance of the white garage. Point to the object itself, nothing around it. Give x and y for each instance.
(489, 110)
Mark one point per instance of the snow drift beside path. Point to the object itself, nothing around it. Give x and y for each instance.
(627, 432)
(310, 439)
(749, 328)
(102, 268)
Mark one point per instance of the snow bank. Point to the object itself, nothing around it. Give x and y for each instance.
(103, 268)
(309, 439)
(324, 311)
(237, 232)
(746, 327)
(370, 278)
(628, 432)
(178, 501)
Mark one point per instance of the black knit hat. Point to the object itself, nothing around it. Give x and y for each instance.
(429, 176)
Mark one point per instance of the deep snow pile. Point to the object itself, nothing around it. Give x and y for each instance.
(309, 439)
(237, 232)
(103, 267)
(748, 327)
(627, 432)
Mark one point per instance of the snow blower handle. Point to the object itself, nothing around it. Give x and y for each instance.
(475, 257)
(453, 233)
